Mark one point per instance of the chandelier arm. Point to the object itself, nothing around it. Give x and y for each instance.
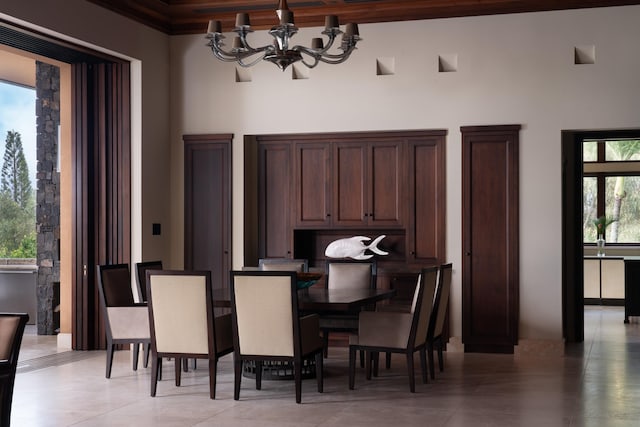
(308, 65)
(241, 62)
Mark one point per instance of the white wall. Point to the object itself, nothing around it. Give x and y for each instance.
(512, 69)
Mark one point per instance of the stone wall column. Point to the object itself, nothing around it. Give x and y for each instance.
(47, 193)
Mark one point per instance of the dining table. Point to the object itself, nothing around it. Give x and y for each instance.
(320, 299)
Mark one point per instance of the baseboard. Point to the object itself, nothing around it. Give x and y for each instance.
(539, 348)
(64, 341)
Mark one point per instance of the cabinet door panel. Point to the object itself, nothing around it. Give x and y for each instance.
(386, 202)
(612, 273)
(349, 169)
(592, 278)
(275, 201)
(426, 231)
(312, 176)
(207, 217)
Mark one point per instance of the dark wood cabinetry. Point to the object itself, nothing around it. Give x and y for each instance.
(312, 189)
(276, 237)
(426, 232)
(490, 226)
(368, 184)
(207, 209)
(313, 184)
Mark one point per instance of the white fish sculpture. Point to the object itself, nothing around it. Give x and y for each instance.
(354, 247)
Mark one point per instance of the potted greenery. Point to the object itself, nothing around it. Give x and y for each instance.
(601, 223)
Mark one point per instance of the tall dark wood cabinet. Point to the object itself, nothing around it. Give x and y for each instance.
(207, 209)
(490, 270)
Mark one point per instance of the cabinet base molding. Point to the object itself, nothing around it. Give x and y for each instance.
(539, 348)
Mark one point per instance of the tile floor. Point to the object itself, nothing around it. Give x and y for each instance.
(597, 383)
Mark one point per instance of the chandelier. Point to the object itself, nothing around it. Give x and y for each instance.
(280, 53)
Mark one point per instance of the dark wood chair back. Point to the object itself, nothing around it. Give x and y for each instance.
(141, 276)
(11, 332)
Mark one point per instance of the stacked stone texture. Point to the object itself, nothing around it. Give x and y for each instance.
(48, 192)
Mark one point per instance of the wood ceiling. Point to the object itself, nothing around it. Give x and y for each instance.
(191, 16)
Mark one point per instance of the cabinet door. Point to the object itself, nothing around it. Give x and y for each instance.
(490, 242)
(349, 189)
(612, 276)
(207, 217)
(385, 183)
(312, 175)
(426, 229)
(592, 279)
(276, 240)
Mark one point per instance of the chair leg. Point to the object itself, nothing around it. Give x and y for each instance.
(375, 358)
(352, 367)
(194, 364)
(178, 372)
(325, 339)
(361, 359)
(297, 376)
(258, 374)
(156, 367)
(432, 370)
(320, 372)
(6, 396)
(423, 364)
(440, 355)
(109, 359)
(185, 364)
(146, 350)
(212, 377)
(387, 362)
(367, 364)
(136, 354)
(237, 376)
(410, 370)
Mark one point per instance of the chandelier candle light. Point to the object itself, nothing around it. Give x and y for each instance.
(279, 52)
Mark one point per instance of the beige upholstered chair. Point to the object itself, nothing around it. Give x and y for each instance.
(346, 274)
(126, 322)
(267, 326)
(183, 323)
(11, 332)
(283, 264)
(438, 317)
(396, 332)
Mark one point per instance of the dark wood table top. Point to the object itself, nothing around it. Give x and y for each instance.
(321, 299)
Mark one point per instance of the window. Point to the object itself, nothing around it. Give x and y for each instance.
(611, 187)
(17, 171)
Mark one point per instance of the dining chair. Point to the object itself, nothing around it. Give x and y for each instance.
(11, 332)
(126, 322)
(141, 281)
(267, 326)
(283, 264)
(346, 274)
(396, 332)
(141, 276)
(183, 324)
(438, 317)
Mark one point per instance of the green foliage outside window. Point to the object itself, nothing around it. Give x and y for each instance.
(17, 203)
